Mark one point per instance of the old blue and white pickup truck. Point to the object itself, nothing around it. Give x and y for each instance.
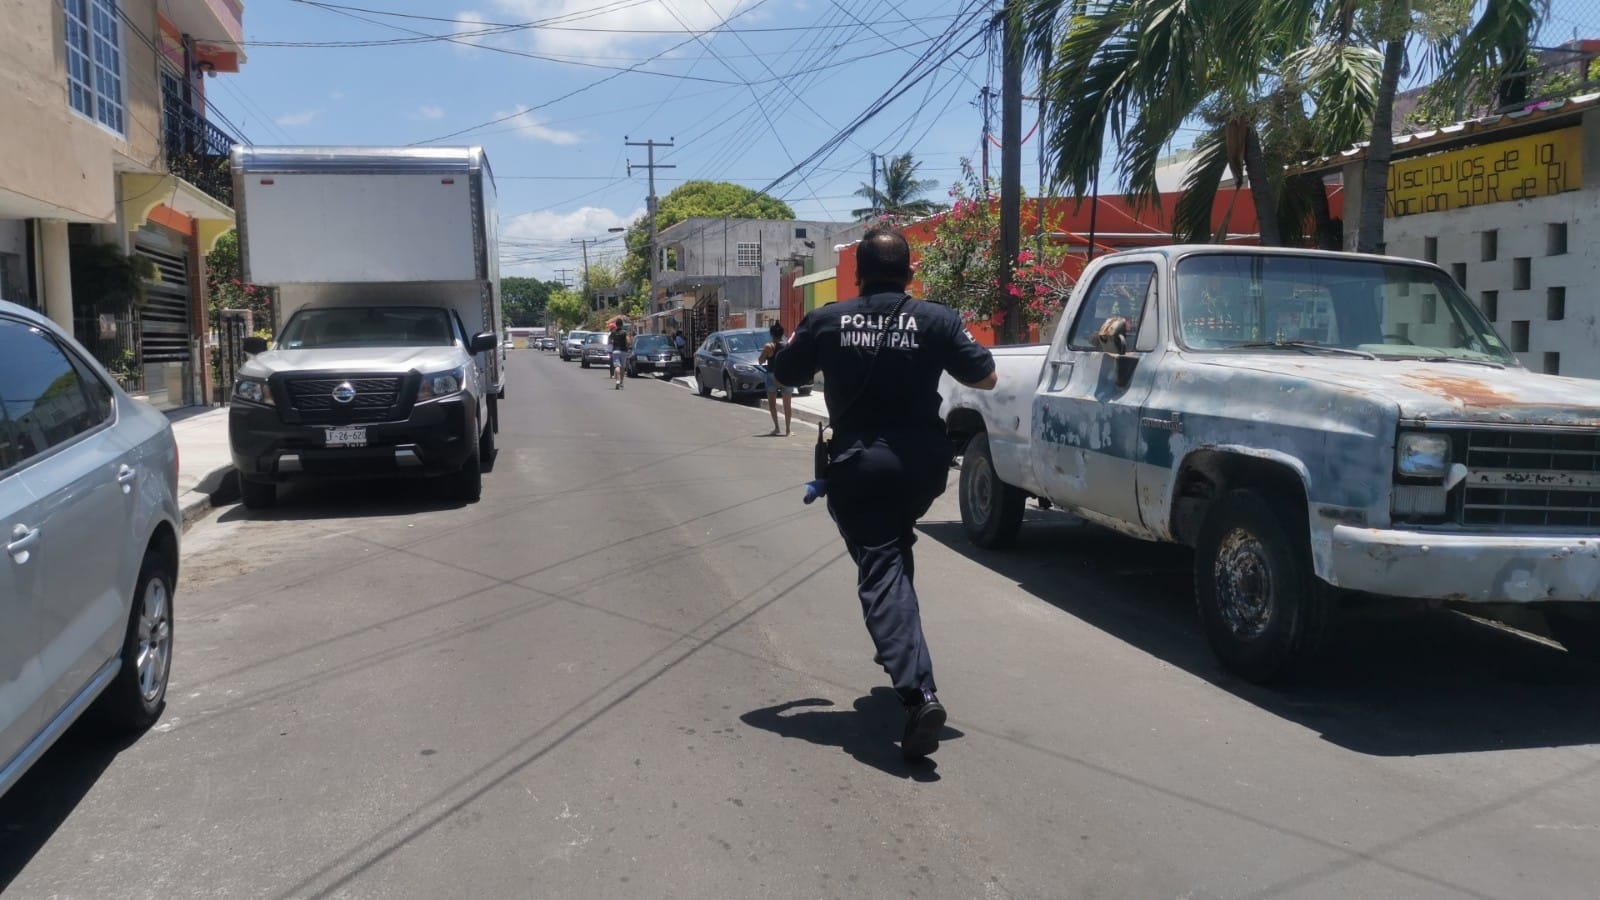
(1319, 427)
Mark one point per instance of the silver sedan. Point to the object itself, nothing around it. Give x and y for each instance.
(89, 518)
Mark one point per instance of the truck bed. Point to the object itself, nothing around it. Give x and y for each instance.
(1007, 409)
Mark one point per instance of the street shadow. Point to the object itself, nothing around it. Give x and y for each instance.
(1388, 685)
(37, 805)
(311, 500)
(869, 731)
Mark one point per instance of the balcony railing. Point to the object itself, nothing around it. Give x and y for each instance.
(197, 151)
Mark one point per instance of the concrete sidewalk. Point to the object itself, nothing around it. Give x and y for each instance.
(806, 409)
(205, 467)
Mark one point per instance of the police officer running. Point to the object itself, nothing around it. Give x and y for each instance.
(881, 355)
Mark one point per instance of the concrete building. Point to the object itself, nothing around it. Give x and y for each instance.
(1510, 205)
(726, 273)
(106, 142)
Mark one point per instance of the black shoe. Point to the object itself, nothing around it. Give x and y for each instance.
(922, 729)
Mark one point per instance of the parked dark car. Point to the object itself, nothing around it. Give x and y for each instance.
(655, 354)
(726, 361)
(596, 350)
(547, 343)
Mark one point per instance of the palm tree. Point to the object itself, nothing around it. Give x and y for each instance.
(899, 194)
(1136, 72)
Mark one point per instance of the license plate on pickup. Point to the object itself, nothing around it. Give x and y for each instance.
(346, 437)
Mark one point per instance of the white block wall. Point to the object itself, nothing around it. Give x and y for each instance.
(1509, 258)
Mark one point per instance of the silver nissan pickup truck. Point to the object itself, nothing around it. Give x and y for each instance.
(1319, 427)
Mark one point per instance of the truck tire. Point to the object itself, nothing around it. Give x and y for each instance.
(583, 362)
(257, 494)
(486, 444)
(467, 484)
(991, 510)
(1577, 627)
(494, 410)
(1264, 611)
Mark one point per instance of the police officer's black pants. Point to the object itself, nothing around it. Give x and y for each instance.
(877, 489)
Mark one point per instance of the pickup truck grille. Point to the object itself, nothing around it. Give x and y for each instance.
(375, 399)
(1540, 479)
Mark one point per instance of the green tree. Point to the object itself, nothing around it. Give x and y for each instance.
(566, 309)
(226, 288)
(900, 195)
(695, 199)
(525, 298)
(1275, 82)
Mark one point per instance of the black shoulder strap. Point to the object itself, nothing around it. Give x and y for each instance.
(877, 349)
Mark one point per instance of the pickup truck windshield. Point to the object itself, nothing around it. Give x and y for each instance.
(1389, 310)
(372, 326)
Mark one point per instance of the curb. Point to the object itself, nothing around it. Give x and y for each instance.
(197, 503)
(800, 415)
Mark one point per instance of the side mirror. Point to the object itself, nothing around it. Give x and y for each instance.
(1112, 337)
(482, 343)
(253, 345)
(718, 351)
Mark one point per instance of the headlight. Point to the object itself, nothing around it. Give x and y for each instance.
(252, 390)
(442, 384)
(1423, 456)
(743, 369)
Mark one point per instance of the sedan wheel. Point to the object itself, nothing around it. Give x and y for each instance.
(727, 388)
(134, 699)
(700, 384)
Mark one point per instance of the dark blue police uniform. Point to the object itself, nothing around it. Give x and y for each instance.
(891, 456)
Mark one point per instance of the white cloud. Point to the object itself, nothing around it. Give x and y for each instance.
(529, 126)
(296, 120)
(546, 235)
(624, 22)
(428, 111)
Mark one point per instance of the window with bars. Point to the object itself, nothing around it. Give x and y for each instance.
(94, 61)
(749, 255)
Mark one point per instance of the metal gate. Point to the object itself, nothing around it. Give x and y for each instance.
(233, 326)
(164, 332)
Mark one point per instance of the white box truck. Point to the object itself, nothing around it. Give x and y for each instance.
(386, 358)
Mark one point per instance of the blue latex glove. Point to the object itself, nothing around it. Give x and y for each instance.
(815, 489)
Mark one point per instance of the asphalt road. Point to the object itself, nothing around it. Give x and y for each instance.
(637, 669)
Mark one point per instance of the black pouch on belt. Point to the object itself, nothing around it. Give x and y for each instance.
(819, 454)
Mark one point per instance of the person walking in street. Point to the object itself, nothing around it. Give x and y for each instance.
(881, 355)
(774, 389)
(620, 342)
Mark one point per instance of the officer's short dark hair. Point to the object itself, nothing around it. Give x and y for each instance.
(884, 256)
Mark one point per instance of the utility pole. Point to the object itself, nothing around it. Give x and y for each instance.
(587, 299)
(1010, 168)
(983, 102)
(872, 158)
(650, 204)
(564, 278)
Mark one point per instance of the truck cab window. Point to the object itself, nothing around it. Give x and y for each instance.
(1119, 291)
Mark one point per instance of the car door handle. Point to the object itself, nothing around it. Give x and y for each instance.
(22, 540)
(126, 474)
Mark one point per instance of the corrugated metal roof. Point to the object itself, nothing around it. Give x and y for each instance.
(1471, 131)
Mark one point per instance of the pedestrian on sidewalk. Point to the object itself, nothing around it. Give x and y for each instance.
(774, 389)
(682, 343)
(620, 342)
(881, 355)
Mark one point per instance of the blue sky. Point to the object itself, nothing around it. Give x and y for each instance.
(743, 102)
(745, 89)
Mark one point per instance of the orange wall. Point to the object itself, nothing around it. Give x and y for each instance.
(1115, 217)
